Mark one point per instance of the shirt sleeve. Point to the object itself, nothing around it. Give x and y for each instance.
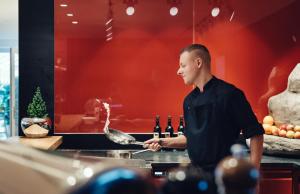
(185, 109)
(243, 115)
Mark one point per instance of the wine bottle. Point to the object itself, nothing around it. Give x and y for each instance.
(180, 130)
(169, 132)
(157, 128)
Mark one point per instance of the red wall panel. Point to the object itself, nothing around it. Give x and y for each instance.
(136, 71)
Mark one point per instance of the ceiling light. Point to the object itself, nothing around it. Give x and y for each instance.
(109, 21)
(231, 17)
(74, 22)
(173, 5)
(215, 11)
(70, 14)
(110, 34)
(63, 5)
(130, 6)
(173, 11)
(108, 29)
(108, 39)
(130, 10)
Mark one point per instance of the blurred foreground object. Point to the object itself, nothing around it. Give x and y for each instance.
(27, 170)
(187, 180)
(117, 181)
(235, 174)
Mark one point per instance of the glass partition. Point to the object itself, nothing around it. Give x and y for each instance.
(106, 52)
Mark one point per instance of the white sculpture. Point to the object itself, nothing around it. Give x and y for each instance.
(285, 107)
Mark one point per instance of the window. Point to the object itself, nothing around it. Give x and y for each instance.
(4, 93)
(8, 90)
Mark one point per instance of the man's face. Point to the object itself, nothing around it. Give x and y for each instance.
(188, 68)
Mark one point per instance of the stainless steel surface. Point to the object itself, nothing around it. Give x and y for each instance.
(120, 157)
(116, 135)
(148, 157)
(141, 151)
(121, 137)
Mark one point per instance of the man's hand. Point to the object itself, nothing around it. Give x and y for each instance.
(153, 144)
(173, 142)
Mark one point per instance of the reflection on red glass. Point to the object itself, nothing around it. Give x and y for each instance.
(135, 72)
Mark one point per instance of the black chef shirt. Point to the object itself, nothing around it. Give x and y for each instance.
(214, 119)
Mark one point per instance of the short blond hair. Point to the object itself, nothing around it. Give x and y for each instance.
(200, 51)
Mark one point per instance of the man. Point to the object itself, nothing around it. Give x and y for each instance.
(215, 112)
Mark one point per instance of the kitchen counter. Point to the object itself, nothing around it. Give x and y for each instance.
(45, 143)
(171, 157)
(284, 171)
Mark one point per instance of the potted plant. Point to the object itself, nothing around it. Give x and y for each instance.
(37, 116)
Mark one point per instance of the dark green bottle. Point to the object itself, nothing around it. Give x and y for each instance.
(180, 130)
(157, 128)
(169, 132)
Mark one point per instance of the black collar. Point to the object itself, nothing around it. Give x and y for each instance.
(208, 85)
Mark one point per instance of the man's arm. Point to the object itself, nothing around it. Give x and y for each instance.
(173, 142)
(256, 149)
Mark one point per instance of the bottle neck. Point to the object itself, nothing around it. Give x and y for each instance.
(181, 121)
(157, 122)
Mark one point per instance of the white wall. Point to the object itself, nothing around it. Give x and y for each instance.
(9, 23)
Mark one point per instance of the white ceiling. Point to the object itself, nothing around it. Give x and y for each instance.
(8, 19)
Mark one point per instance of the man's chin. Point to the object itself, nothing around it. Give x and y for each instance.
(187, 83)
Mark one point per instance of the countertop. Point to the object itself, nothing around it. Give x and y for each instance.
(170, 157)
(45, 143)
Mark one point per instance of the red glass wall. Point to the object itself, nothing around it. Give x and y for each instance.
(131, 62)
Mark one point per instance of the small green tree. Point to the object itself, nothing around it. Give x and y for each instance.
(37, 108)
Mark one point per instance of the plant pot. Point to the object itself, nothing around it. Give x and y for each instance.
(41, 128)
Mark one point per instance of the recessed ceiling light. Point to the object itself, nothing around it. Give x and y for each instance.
(63, 5)
(173, 11)
(130, 10)
(74, 22)
(70, 14)
(215, 11)
(110, 34)
(108, 39)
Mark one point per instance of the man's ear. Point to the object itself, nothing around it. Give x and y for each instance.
(199, 62)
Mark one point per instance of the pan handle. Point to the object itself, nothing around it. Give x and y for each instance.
(141, 151)
(138, 143)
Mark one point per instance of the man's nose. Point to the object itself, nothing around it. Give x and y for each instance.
(179, 71)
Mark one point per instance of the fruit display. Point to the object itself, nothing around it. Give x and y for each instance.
(286, 130)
